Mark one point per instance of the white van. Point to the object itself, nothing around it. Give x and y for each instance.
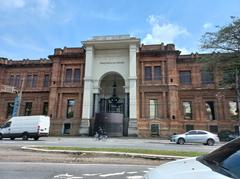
(25, 127)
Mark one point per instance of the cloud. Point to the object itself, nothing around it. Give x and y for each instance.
(39, 7)
(183, 50)
(164, 31)
(44, 7)
(207, 25)
(12, 4)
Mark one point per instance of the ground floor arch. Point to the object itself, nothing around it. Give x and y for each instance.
(111, 105)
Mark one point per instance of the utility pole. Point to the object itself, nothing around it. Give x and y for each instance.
(18, 99)
(20, 95)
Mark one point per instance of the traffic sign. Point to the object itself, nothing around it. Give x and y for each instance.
(7, 89)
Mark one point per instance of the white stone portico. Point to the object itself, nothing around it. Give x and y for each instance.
(109, 54)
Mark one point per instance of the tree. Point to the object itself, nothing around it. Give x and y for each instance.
(226, 42)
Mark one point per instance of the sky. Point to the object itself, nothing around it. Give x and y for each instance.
(34, 28)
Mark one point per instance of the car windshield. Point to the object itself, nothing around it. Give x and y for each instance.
(225, 160)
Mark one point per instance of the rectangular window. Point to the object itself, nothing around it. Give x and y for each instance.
(70, 108)
(154, 129)
(233, 109)
(11, 80)
(17, 81)
(28, 109)
(187, 109)
(153, 108)
(45, 108)
(207, 77)
(210, 110)
(34, 81)
(148, 73)
(157, 73)
(68, 76)
(46, 80)
(66, 128)
(9, 110)
(29, 80)
(76, 75)
(189, 127)
(185, 77)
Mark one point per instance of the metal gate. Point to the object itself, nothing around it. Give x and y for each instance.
(111, 123)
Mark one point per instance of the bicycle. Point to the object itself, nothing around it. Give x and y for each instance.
(102, 137)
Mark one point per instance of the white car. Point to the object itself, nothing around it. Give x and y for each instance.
(223, 163)
(195, 136)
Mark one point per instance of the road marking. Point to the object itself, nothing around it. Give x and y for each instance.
(112, 174)
(66, 176)
(132, 172)
(62, 175)
(150, 168)
(91, 175)
(135, 177)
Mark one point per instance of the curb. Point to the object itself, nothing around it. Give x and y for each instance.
(102, 153)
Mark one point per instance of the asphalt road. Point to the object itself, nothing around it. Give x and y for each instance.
(89, 142)
(24, 170)
(18, 164)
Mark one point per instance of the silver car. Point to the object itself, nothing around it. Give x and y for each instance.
(196, 136)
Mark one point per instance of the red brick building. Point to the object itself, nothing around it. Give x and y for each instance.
(127, 88)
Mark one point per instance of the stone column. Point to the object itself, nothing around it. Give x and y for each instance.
(163, 73)
(60, 103)
(87, 94)
(164, 105)
(126, 106)
(132, 130)
(143, 105)
(96, 104)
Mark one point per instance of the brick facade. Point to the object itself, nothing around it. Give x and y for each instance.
(159, 84)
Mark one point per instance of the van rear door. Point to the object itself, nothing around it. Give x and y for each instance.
(44, 124)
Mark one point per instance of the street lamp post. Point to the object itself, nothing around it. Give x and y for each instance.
(19, 95)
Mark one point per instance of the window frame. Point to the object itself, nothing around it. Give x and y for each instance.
(45, 111)
(27, 113)
(207, 77)
(157, 74)
(70, 108)
(77, 76)
(46, 80)
(185, 79)
(212, 108)
(185, 116)
(68, 75)
(148, 74)
(155, 109)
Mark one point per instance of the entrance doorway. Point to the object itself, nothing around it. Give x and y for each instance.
(112, 110)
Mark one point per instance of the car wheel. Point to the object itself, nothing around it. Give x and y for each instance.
(25, 136)
(0, 136)
(12, 138)
(181, 141)
(36, 138)
(210, 142)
